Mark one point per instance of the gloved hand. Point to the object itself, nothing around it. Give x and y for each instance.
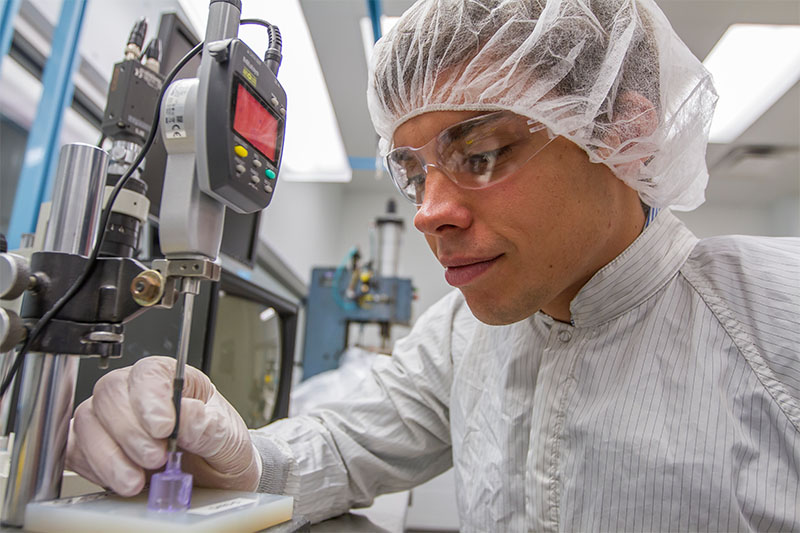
(121, 431)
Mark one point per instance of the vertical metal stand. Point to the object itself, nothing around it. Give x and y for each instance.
(48, 380)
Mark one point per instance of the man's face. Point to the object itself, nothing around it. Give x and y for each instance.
(531, 241)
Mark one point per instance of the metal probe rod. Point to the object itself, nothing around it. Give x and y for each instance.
(190, 289)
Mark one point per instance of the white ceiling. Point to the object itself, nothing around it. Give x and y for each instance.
(736, 178)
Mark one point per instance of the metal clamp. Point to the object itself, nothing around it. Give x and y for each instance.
(182, 275)
(188, 268)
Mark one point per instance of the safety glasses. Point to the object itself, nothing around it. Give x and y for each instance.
(474, 154)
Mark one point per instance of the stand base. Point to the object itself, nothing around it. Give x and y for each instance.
(210, 511)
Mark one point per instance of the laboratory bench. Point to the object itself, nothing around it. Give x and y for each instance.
(387, 514)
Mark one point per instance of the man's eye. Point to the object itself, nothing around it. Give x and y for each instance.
(418, 181)
(485, 162)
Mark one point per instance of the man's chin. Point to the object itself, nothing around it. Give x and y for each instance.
(492, 312)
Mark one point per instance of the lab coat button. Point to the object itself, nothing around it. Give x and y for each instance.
(565, 336)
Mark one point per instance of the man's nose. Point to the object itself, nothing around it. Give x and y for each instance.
(443, 205)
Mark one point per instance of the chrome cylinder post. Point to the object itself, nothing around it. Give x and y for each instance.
(47, 389)
(389, 248)
(223, 20)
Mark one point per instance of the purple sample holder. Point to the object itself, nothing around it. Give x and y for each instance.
(170, 490)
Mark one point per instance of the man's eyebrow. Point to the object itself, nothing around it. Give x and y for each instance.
(458, 131)
(461, 130)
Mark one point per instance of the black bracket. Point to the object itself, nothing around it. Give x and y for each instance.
(91, 322)
(76, 338)
(104, 298)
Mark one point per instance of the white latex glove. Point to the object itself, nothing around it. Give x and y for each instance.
(121, 431)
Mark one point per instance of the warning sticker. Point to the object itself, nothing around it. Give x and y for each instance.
(174, 120)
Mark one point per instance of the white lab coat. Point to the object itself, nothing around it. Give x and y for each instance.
(672, 402)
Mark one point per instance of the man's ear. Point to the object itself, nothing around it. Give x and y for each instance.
(635, 117)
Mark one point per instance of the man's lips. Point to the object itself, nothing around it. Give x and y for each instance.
(462, 271)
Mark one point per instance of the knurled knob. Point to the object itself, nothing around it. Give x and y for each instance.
(147, 288)
(12, 330)
(15, 276)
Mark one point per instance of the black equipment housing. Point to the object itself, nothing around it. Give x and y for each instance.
(131, 102)
(241, 182)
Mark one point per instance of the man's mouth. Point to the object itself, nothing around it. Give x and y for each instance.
(462, 271)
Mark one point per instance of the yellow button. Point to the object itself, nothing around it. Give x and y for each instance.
(240, 150)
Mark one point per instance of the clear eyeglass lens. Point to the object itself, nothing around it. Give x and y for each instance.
(474, 153)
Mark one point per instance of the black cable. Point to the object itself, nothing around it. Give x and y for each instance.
(106, 214)
(257, 22)
(273, 55)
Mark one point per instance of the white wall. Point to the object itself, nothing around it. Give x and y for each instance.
(302, 225)
(785, 215)
(778, 219)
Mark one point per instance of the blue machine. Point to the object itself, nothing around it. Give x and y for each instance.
(354, 293)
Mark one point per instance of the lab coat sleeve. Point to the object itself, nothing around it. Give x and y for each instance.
(753, 285)
(390, 434)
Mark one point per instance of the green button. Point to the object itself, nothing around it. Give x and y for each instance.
(270, 174)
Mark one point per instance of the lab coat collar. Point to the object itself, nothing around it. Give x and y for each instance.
(643, 268)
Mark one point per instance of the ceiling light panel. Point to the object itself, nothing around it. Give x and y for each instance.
(753, 65)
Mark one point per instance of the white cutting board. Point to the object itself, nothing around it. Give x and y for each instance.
(210, 511)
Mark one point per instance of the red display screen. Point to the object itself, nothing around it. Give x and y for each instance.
(255, 123)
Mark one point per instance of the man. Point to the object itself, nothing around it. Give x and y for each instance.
(599, 368)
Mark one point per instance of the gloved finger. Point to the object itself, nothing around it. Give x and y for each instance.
(150, 393)
(111, 404)
(216, 432)
(197, 385)
(108, 462)
(203, 429)
(76, 460)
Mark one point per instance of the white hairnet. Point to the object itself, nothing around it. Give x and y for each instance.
(610, 75)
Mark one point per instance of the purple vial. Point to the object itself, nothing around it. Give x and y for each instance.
(170, 490)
